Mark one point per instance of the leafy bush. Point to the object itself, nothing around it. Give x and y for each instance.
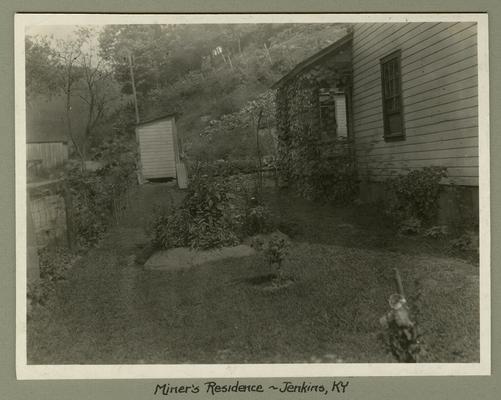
(93, 194)
(214, 213)
(208, 233)
(170, 229)
(415, 194)
(54, 263)
(204, 219)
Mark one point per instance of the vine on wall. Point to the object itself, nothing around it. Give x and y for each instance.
(312, 166)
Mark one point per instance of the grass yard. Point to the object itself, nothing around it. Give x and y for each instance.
(111, 311)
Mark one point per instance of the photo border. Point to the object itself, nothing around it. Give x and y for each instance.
(143, 371)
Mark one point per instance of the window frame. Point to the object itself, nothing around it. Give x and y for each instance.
(389, 136)
(324, 134)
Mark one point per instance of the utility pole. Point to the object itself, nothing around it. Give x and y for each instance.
(258, 148)
(140, 178)
(134, 94)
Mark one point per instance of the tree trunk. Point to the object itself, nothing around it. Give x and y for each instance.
(69, 126)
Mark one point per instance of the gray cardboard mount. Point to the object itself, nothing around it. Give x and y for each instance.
(360, 388)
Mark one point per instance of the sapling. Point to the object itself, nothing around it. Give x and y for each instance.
(276, 250)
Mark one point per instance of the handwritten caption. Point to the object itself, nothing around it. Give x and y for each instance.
(213, 388)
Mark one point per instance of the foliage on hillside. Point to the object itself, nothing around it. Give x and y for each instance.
(209, 72)
(212, 75)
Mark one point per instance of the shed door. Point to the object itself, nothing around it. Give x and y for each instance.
(156, 145)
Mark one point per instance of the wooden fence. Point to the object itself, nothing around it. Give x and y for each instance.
(49, 155)
(49, 218)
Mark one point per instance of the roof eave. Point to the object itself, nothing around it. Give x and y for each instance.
(314, 59)
(156, 119)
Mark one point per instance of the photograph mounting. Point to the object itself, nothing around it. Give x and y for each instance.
(239, 195)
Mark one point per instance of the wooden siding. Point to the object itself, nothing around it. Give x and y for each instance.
(51, 154)
(440, 99)
(157, 149)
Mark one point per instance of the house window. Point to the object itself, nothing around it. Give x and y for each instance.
(393, 115)
(333, 120)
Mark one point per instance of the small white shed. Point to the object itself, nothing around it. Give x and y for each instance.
(158, 147)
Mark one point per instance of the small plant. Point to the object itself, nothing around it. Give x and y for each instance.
(276, 250)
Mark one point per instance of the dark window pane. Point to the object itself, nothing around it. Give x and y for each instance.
(391, 93)
(395, 123)
(389, 105)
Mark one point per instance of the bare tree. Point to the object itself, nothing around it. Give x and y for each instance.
(87, 76)
(68, 53)
(96, 78)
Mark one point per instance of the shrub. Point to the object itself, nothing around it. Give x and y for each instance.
(54, 263)
(415, 195)
(214, 213)
(170, 229)
(208, 233)
(204, 219)
(93, 194)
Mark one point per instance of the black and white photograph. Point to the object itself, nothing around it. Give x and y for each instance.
(230, 195)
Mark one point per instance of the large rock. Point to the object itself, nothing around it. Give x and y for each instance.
(183, 257)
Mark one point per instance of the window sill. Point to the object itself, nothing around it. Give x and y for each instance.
(394, 138)
(327, 140)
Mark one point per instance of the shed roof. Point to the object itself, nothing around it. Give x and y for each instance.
(315, 59)
(159, 118)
